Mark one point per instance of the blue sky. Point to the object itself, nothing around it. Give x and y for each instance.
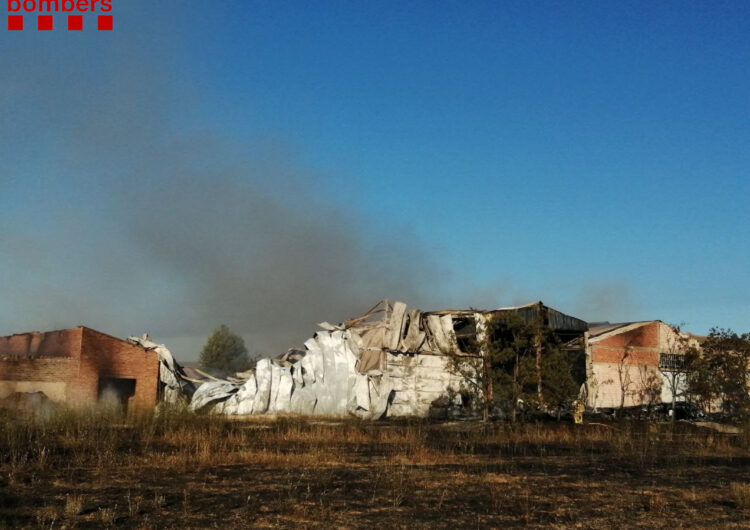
(594, 155)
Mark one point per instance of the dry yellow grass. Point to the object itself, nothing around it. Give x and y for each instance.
(181, 470)
(73, 505)
(741, 494)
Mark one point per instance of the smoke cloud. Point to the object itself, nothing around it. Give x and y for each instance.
(613, 301)
(125, 213)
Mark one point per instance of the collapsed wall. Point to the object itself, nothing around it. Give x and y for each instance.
(388, 362)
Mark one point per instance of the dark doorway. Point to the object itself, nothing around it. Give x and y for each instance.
(116, 391)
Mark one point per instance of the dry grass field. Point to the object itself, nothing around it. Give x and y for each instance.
(95, 470)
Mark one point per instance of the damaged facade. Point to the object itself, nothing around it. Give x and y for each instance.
(625, 363)
(77, 367)
(391, 361)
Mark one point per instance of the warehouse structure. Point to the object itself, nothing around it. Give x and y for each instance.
(78, 367)
(390, 361)
(627, 364)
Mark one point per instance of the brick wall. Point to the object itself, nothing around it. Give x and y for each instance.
(104, 356)
(32, 375)
(61, 343)
(51, 369)
(639, 346)
(645, 336)
(36, 361)
(627, 364)
(609, 354)
(70, 363)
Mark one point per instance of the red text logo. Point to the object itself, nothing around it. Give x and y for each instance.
(45, 15)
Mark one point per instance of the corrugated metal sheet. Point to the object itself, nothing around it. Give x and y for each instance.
(389, 361)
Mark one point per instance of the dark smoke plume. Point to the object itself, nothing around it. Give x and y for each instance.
(126, 213)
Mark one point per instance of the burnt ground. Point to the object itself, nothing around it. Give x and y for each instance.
(299, 473)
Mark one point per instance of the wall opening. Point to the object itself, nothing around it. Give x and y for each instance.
(116, 391)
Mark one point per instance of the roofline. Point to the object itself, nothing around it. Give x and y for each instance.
(86, 328)
(42, 332)
(621, 329)
(532, 304)
(80, 328)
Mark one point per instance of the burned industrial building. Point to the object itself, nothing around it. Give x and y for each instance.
(625, 361)
(391, 361)
(78, 367)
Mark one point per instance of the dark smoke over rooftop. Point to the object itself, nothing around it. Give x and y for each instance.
(150, 221)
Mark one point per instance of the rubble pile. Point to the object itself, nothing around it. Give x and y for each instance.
(389, 361)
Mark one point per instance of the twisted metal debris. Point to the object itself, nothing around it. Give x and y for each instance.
(389, 361)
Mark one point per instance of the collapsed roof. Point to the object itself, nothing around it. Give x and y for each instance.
(389, 361)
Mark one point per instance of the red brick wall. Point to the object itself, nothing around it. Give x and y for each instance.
(38, 369)
(61, 343)
(637, 346)
(79, 357)
(38, 373)
(105, 356)
(646, 336)
(42, 358)
(604, 354)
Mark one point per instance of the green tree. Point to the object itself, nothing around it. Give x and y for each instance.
(224, 353)
(559, 388)
(719, 373)
(506, 373)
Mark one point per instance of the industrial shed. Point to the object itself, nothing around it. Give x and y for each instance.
(624, 363)
(390, 361)
(570, 332)
(78, 367)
